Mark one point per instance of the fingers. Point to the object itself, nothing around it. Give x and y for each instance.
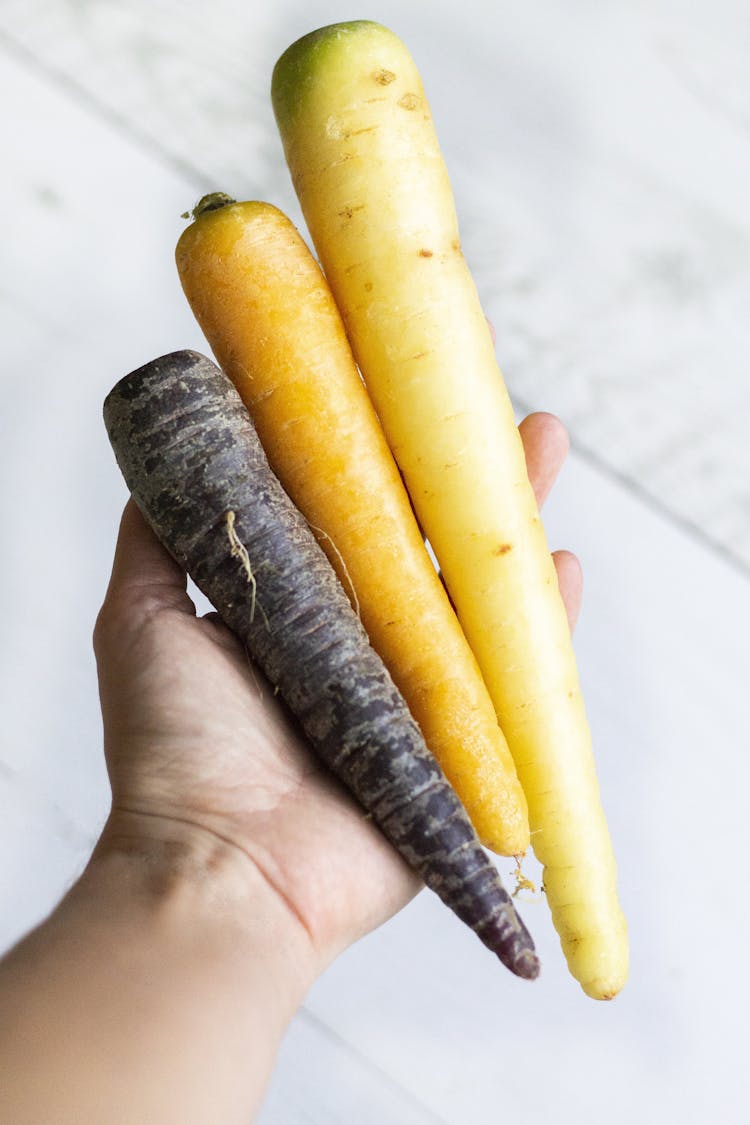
(545, 443)
(143, 571)
(570, 580)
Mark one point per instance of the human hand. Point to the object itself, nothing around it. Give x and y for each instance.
(198, 747)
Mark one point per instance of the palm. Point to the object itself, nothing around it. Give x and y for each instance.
(199, 735)
(193, 733)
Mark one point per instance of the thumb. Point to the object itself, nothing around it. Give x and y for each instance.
(144, 577)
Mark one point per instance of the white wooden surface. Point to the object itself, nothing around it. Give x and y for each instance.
(600, 157)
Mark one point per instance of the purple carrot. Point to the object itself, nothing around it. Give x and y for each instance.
(192, 460)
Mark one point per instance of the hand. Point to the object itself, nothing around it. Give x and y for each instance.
(198, 746)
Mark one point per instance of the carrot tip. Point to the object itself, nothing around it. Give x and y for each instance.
(526, 965)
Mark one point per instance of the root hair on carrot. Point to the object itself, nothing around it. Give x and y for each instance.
(340, 557)
(522, 882)
(239, 551)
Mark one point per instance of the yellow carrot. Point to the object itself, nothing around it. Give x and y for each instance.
(272, 323)
(365, 162)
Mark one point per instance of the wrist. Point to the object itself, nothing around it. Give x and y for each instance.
(179, 870)
(169, 968)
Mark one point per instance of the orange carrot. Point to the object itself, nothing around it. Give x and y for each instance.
(272, 324)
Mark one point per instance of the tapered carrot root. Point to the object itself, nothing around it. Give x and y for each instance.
(272, 323)
(191, 458)
(366, 165)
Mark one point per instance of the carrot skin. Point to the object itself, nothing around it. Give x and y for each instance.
(190, 456)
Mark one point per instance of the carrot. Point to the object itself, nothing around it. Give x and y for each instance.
(367, 168)
(273, 325)
(192, 460)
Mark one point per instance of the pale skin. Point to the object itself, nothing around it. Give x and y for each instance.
(231, 871)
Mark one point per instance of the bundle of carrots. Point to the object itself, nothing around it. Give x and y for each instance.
(484, 673)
